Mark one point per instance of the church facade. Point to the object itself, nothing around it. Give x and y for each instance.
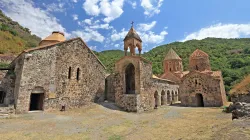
(200, 86)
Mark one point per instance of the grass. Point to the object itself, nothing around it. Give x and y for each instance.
(242, 87)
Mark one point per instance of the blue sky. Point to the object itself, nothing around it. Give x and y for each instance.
(104, 23)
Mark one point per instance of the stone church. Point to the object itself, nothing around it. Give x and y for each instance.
(198, 87)
(66, 72)
(57, 72)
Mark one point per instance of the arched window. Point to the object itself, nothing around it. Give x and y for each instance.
(130, 79)
(197, 67)
(69, 73)
(78, 74)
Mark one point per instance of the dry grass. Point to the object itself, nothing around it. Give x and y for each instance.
(242, 87)
(97, 122)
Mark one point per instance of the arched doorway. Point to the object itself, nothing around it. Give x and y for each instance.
(176, 96)
(36, 99)
(130, 79)
(156, 99)
(172, 96)
(168, 97)
(163, 97)
(199, 99)
(2, 96)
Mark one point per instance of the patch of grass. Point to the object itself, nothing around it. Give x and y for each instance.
(4, 65)
(115, 137)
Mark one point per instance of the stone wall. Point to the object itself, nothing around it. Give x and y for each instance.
(206, 85)
(240, 98)
(146, 86)
(49, 69)
(91, 84)
(199, 63)
(110, 88)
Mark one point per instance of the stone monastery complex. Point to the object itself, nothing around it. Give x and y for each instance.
(62, 72)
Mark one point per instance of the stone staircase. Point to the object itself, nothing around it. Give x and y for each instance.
(6, 111)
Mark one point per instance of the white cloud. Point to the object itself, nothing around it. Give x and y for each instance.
(75, 17)
(145, 26)
(88, 35)
(111, 10)
(40, 22)
(148, 37)
(133, 4)
(151, 7)
(221, 31)
(101, 26)
(115, 36)
(151, 37)
(75, 1)
(93, 47)
(91, 7)
(54, 7)
(88, 21)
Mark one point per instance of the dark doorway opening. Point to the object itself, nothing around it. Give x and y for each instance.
(2, 96)
(130, 79)
(156, 99)
(36, 101)
(200, 102)
(163, 98)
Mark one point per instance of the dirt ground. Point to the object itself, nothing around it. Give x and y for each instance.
(106, 122)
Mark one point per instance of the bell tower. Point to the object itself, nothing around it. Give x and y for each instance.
(131, 41)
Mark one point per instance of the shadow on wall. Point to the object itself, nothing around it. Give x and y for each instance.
(99, 96)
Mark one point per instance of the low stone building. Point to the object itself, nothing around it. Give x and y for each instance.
(135, 87)
(198, 87)
(57, 72)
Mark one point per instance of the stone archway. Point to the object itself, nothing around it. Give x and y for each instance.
(156, 100)
(172, 94)
(163, 98)
(130, 79)
(37, 99)
(168, 97)
(199, 99)
(176, 96)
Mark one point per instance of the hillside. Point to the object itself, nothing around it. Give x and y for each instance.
(231, 56)
(15, 38)
(242, 87)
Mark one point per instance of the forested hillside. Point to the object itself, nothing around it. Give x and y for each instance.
(14, 38)
(231, 56)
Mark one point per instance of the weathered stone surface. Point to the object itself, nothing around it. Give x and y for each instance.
(241, 110)
(149, 91)
(211, 88)
(48, 69)
(240, 98)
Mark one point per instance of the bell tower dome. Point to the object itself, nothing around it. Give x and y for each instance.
(131, 41)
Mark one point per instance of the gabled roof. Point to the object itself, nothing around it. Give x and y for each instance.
(198, 53)
(132, 34)
(172, 55)
(170, 76)
(59, 43)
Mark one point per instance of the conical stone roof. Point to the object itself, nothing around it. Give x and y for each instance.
(172, 55)
(198, 54)
(132, 34)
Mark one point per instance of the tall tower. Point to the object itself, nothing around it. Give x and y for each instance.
(172, 62)
(131, 41)
(199, 61)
